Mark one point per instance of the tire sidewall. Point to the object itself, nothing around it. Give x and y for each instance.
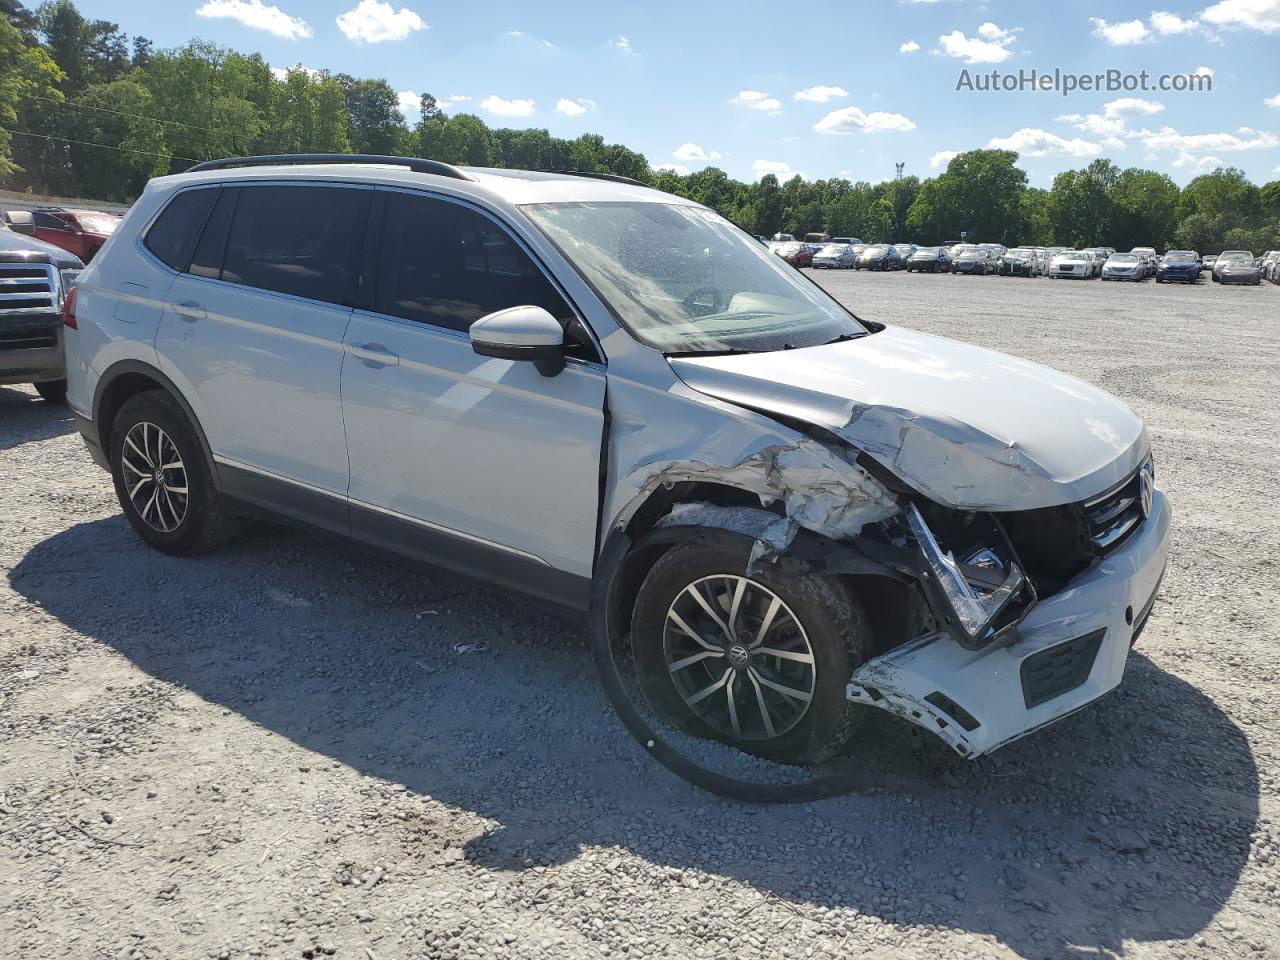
(160, 409)
(832, 621)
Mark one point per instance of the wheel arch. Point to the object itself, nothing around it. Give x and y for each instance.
(128, 378)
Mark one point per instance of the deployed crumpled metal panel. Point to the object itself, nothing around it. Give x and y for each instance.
(967, 427)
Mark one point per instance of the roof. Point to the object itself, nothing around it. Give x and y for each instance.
(503, 187)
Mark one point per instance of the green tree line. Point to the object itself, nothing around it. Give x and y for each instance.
(86, 110)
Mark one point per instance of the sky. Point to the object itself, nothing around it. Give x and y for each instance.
(843, 89)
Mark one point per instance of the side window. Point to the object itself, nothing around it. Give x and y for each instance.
(173, 236)
(302, 241)
(48, 221)
(207, 259)
(444, 264)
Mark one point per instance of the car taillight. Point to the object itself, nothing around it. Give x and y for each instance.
(69, 309)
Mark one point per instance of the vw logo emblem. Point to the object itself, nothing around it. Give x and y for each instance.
(739, 656)
(1146, 490)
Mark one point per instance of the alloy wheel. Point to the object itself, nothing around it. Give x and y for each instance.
(155, 477)
(739, 658)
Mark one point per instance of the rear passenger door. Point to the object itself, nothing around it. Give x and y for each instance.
(252, 333)
(479, 464)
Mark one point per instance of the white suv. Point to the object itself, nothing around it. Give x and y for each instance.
(610, 398)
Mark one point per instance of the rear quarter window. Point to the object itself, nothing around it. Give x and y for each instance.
(173, 235)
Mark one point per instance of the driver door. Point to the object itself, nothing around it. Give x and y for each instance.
(478, 464)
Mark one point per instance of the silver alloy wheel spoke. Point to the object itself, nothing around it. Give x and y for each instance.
(727, 632)
(160, 493)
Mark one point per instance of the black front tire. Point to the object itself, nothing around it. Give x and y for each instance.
(52, 391)
(830, 615)
(207, 522)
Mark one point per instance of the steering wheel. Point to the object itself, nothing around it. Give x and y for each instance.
(696, 302)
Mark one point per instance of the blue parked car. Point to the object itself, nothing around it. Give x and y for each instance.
(1179, 265)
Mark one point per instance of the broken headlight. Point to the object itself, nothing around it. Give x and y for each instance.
(984, 594)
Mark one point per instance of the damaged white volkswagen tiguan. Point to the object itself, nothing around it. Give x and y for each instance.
(595, 394)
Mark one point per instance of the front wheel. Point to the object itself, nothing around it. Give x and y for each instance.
(759, 662)
(163, 479)
(52, 391)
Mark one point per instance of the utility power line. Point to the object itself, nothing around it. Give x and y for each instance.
(104, 146)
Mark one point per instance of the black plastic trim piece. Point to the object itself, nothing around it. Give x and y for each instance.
(415, 164)
(292, 503)
(611, 177)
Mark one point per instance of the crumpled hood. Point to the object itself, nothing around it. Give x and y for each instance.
(967, 427)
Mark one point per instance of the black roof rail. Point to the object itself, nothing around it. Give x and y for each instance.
(615, 178)
(415, 164)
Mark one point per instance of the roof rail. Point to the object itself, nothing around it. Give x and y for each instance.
(615, 178)
(415, 164)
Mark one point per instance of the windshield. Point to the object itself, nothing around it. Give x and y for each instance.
(1018, 252)
(1234, 256)
(926, 252)
(683, 279)
(1179, 257)
(834, 249)
(878, 250)
(1123, 258)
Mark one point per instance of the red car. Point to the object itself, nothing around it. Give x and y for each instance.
(799, 255)
(81, 232)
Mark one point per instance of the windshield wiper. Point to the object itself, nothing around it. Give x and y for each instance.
(842, 338)
(723, 352)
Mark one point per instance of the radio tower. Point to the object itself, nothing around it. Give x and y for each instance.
(898, 167)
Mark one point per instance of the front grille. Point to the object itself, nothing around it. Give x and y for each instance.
(1060, 669)
(1114, 516)
(27, 287)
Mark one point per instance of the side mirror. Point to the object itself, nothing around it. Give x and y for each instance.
(521, 333)
(21, 221)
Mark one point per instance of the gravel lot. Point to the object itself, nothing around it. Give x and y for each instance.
(274, 751)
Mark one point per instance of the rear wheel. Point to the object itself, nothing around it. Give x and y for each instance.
(163, 479)
(52, 391)
(759, 662)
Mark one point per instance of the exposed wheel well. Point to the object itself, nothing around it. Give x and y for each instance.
(114, 395)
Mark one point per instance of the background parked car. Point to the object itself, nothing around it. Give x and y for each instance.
(1181, 265)
(976, 261)
(1124, 266)
(1020, 262)
(1208, 262)
(835, 256)
(34, 279)
(82, 232)
(1268, 264)
(929, 260)
(905, 250)
(880, 256)
(852, 241)
(784, 238)
(799, 255)
(1071, 263)
(1236, 266)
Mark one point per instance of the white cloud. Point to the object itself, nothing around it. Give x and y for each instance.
(521, 35)
(756, 100)
(672, 168)
(1111, 122)
(991, 45)
(693, 153)
(942, 158)
(259, 15)
(1203, 72)
(623, 44)
(1034, 142)
(1196, 164)
(1131, 107)
(821, 94)
(778, 168)
(853, 120)
(1273, 102)
(1170, 24)
(574, 107)
(373, 21)
(1263, 15)
(408, 101)
(1121, 34)
(282, 73)
(909, 47)
(507, 108)
(456, 98)
(1245, 138)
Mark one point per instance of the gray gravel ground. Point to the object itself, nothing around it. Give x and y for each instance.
(274, 751)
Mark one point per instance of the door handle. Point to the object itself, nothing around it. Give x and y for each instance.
(374, 355)
(190, 311)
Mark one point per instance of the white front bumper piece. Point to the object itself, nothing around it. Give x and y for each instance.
(1068, 652)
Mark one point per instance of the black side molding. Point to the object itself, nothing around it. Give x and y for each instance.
(415, 164)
